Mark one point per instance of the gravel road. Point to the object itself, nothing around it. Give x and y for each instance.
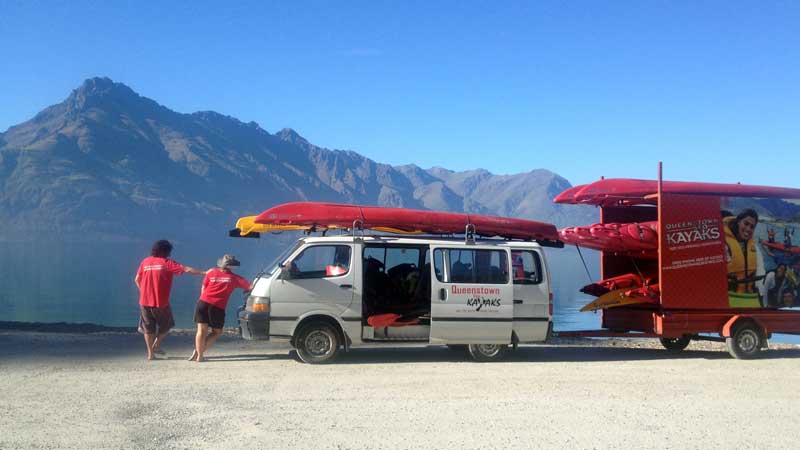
(96, 391)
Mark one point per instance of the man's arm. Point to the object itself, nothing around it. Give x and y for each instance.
(193, 270)
(136, 281)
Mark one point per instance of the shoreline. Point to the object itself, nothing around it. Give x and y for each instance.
(87, 328)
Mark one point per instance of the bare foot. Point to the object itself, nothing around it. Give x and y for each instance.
(193, 357)
(199, 359)
(151, 357)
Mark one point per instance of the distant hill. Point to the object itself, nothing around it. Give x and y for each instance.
(107, 163)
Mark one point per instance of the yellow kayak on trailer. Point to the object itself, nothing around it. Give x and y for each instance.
(613, 299)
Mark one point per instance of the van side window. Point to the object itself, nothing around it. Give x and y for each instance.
(321, 261)
(526, 267)
(472, 266)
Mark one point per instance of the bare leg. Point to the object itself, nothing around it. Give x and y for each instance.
(149, 338)
(158, 340)
(211, 338)
(200, 340)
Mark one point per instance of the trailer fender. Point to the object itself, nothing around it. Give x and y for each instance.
(728, 327)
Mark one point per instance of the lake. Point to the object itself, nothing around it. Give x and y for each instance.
(93, 282)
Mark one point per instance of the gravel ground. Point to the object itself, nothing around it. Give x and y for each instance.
(96, 391)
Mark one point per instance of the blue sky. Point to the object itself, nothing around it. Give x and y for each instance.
(581, 88)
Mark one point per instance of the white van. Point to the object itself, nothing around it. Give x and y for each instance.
(332, 292)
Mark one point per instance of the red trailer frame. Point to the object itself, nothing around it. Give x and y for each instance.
(691, 268)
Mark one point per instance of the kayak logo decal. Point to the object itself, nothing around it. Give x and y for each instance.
(480, 302)
(692, 232)
(479, 290)
(481, 298)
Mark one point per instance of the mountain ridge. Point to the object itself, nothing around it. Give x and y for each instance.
(106, 161)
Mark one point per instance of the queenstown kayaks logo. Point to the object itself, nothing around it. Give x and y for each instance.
(481, 298)
(690, 232)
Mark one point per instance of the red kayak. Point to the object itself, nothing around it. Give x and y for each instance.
(781, 247)
(334, 215)
(634, 191)
(626, 281)
(639, 239)
(568, 196)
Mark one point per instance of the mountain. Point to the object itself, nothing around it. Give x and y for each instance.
(108, 163)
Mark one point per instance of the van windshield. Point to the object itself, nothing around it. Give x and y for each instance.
(276, 263)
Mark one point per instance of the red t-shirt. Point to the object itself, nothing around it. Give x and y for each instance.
(218, 286)
(155, 280)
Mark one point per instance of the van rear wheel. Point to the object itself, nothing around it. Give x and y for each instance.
(317, 343)
(487, 352)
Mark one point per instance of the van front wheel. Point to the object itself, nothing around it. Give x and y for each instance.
(487, 352)
(317, 343)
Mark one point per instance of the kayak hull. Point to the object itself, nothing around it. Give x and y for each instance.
(312, 215)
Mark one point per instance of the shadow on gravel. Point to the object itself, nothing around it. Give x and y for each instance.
(102, 346)
(544, 354)
(248, 357)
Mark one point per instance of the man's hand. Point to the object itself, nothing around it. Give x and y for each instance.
(194, 271)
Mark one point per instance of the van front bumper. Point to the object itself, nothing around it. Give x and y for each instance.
(254, 326)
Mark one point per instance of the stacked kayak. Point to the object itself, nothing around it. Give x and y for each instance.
(635, 239)
(628, 289)
(629, 191)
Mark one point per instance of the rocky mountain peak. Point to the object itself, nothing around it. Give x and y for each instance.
(291, 136)
(104, 94)
(96, 90)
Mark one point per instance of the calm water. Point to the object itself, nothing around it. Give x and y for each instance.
(93, 283)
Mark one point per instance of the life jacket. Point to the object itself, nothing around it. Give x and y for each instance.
(741, 265)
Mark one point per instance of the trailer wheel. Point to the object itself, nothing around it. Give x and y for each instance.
(317, 343)
(676, 344)
(487, 352)
(746, 341)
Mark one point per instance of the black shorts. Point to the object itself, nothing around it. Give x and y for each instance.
(152, 319)
(210, 314)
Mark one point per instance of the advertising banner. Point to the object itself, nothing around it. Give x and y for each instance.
(762, 252)
(693, 267)
(729, 252)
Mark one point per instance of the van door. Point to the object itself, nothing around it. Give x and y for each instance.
(320, 278)
(531, 295)
(471, 295)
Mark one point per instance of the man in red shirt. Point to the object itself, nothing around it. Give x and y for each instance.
(210, 311)
(154, 280)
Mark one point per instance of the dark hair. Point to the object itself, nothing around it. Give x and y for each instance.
(749, 212)
(161, 249)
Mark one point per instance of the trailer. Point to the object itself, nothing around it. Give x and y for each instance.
(719, 262)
